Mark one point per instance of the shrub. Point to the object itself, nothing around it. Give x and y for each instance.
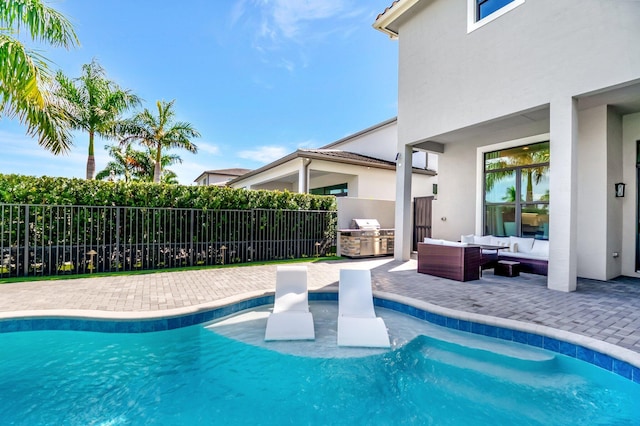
(19, 189)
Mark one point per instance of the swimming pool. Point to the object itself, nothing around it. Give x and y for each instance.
(199, 375)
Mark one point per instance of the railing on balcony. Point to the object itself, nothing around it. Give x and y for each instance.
(38, 240)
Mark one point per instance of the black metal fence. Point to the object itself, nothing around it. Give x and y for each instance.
(53, 240)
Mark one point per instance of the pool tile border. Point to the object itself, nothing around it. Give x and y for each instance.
(603, 360)
(144, 325)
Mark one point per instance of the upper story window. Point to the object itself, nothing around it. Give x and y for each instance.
(481, 12)
(487, 7)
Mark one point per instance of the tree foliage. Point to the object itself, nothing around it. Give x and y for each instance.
(130, 164)
(159, 133)
(25, 81)
(19, 189)
(96, 105)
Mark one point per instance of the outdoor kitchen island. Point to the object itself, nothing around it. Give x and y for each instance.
(365, 239)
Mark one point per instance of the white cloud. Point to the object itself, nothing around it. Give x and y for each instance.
(275, 25)
(208, 148)
(290, 16)
(237, 11)
(291, 19)
(264, 154)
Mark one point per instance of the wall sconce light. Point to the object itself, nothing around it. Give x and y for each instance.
(435, 189)
(619, 189)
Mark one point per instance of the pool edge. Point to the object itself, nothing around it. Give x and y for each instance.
(621, 361)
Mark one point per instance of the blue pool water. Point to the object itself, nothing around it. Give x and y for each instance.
(200, 375)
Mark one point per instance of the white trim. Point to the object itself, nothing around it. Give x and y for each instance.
(472, 5)
(481, 150)
(392, 13)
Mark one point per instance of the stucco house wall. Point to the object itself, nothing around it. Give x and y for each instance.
(567, 71)
(541, 50)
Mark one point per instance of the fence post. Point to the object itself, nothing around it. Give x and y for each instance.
(26, 242)
(191, 235)
(117, 248)
(252, 236)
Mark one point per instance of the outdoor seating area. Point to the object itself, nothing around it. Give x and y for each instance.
(464, 260)
(531, 253)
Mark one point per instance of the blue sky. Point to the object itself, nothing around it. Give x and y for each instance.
(258, 78)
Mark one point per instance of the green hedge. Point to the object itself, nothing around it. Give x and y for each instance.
(19, 189)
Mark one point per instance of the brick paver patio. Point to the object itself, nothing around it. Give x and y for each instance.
(607, 311)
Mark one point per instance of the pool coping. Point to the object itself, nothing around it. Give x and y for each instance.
(619, 360)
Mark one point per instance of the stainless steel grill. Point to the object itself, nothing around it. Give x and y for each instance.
(365, 238)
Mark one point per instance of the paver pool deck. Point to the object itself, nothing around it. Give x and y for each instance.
(606, 311)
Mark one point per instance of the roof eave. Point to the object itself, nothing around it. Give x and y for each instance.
(360, 133)
(390, 15)
(317, 156)
(259, 170)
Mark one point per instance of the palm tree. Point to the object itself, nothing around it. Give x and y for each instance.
(97, 104)
(126, 163)
(148, 166)
(159, 132)
(24, 75)
(131, 164)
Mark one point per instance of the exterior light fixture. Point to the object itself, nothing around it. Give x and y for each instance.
(91, 265)
(619, 189)
(223, 249)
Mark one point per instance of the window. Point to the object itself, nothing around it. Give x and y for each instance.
(340, 190)
(516, 191)
(485, 8)
(481, 12)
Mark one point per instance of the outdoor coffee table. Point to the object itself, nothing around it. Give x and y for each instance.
(492, 256)
(507, 268)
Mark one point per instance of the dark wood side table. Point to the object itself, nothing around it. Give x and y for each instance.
(507, 268)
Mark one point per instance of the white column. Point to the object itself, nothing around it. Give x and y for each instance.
(563, 183)
(403, 228)
(302, 178)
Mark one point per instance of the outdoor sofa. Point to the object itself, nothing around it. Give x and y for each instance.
(531, 253)
(447, 259)
(463, 260)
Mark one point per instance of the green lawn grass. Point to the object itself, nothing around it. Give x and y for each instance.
(10, 280)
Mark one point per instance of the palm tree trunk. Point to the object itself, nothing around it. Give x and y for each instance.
(157, 169)
(91, 161)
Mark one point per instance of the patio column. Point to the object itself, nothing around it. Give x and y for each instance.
(302, 178)
(563, 183)
(403, 230)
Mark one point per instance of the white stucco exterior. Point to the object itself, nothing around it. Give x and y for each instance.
(565, 71)
(306, 170)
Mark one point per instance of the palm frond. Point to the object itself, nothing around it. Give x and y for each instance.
(48, 125)
(43, 23)
(23, 73)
